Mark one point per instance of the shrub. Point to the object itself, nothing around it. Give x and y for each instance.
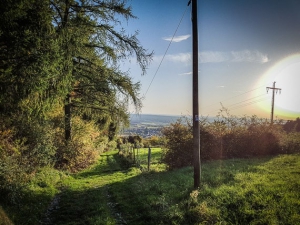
(179, 145)
(224, 139)
(291, 143)
(154, 141)
(81, 151)
(15, 170)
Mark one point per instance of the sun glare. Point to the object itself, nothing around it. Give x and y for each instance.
(286, 74)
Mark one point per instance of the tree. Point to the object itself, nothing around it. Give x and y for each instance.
(29, 57)
(92, 44)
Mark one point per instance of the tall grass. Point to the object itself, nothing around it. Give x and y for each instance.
(236, 191)
(256, 191)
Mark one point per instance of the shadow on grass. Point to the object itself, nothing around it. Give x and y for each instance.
(163, 197)
(107, 164)
(83, 207)
(28, 209)
(145, 198)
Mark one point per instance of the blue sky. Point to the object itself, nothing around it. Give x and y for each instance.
(244, 46)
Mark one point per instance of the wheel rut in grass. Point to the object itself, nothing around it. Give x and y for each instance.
(53, 206)
(89, 194)
(113, 207)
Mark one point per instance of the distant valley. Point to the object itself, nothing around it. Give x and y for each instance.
(147, 125)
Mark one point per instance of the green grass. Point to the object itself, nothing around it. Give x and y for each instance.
(240, 191)
(156, 155)
(86, 196)
(255, 191)
(32, 202)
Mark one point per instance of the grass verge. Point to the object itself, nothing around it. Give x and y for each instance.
(236, 191)
(241, 191)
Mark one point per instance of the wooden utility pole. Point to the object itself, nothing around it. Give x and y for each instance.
(273, 98)
(196, 128)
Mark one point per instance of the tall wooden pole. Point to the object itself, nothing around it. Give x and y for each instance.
(196, 128)
(273, 99)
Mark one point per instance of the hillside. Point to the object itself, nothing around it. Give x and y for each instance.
(237, 191)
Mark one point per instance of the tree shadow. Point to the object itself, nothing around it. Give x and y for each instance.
(146, 198)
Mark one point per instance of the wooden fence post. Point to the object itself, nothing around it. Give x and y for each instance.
(149, 158)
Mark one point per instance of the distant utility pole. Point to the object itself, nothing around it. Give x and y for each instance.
(273, 98)
(196, 128)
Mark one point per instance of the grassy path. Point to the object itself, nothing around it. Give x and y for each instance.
(86, 198)
(237, 191)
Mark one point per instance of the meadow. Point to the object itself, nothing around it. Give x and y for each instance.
(235, 191)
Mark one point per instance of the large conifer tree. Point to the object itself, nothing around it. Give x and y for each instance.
(68, 51)
(29, 57)
(93, 43)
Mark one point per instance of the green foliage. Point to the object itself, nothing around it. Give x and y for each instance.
(35, 198)
(154, 141)
(14, 170)
(29, 57)
(225, 138)
(179, 145)
(81, 151)
(291, 143)
(92, 49)
(292, 126)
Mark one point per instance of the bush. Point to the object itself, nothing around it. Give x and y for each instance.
(291, 143)
(179, 145)
(224, 139)
(15, 171)
(81, 151)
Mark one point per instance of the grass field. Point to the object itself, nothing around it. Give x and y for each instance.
(240, 191)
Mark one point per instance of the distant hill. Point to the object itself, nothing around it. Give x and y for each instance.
(152, 119)
(147, 125)
(148, 119)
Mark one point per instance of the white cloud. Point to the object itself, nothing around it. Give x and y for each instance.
(233, 56)
(185, 74)
(217, 57)
(180, 57)
(177, 58)
(177, 38)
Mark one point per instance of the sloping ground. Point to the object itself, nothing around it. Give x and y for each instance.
(240, 191)
(237, 191)
(86, 197)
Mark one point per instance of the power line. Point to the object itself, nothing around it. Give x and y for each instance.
(246, 100)
(236, 95)
(244, 103)
(166, 52)
(251, 103)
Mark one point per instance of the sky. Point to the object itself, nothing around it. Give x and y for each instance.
(244, 47)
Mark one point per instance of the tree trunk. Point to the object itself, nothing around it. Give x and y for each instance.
(68, 118)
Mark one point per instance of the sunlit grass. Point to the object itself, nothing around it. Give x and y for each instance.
(155, 159)
(241, 191)
(236, 191)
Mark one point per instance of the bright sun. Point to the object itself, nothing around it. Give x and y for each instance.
(286, 74)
